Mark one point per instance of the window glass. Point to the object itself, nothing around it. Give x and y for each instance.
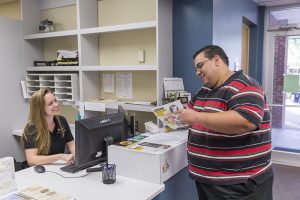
(284, 17)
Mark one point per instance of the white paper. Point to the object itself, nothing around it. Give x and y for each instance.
(43, 193)
(108, 83)
(94, 106)
(7, 183)
(149, 147)
(173, 84)
(162, 138)
(144, 103)
(124, 85)
(24, 89)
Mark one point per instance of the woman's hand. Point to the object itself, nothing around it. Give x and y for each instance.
(69, 158)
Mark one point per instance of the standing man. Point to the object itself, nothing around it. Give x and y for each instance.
(229, 144)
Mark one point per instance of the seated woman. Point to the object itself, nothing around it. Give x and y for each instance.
(46, 133)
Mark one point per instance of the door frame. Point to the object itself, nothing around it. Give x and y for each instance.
(245, 47)
(280, 157)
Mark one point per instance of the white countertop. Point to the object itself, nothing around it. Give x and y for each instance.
(88, 187)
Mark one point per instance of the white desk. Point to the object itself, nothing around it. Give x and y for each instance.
(150, 166)
(89, 187)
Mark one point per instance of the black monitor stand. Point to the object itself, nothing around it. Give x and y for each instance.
(108, 141)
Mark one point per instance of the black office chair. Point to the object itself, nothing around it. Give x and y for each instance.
(20, 165)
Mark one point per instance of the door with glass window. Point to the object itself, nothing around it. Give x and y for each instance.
(281, 81)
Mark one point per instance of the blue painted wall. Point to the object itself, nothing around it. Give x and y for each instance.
(258, 74)
(227, 25)
(192, 29)
(179, 187)
(202, 22)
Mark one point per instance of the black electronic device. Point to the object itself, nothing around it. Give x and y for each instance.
(44, 63)
(93, 135)
(39, 169)
(132, 125)
(46, 26)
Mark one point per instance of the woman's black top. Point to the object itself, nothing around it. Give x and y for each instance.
(58, 142)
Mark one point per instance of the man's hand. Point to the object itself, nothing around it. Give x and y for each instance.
(188, 116)
(228, 122)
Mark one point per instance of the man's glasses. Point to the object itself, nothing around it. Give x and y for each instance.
(200, 65)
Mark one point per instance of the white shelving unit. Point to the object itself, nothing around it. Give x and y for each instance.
(50, 35)
(108, 35)
(116, 28)
(64, 86)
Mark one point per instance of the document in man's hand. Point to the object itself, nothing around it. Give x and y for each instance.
(168, 114)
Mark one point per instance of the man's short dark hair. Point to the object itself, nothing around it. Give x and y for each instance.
(211, 50)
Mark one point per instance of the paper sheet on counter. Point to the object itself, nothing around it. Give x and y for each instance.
(164, 138)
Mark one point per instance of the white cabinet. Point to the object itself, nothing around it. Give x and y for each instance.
(64, 86)
(159, 165)
(108, 35)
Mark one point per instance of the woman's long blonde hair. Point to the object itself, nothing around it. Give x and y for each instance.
(37, 119)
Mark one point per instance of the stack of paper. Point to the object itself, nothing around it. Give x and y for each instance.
(7, 181)
(43, 193)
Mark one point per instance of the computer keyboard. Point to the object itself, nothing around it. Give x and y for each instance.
(75, 168)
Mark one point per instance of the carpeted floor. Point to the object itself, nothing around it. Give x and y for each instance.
(286, 182)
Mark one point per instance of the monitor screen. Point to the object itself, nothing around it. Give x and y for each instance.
(92, 133)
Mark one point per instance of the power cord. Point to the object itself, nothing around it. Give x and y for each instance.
(88, 171)
(69, 176)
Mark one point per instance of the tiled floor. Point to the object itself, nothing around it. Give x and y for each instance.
(286, 182)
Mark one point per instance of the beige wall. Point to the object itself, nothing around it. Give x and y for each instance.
(64, 18)
(51, 45)
(143, 83)
(121, 48)
(112, 12)
(11, 10)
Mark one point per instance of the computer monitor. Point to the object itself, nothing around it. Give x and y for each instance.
(92, 135)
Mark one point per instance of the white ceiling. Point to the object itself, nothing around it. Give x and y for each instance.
(269, 3)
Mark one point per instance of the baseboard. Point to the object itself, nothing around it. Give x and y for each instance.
(286, 158)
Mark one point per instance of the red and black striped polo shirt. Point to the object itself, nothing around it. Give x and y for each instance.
(223, 159)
